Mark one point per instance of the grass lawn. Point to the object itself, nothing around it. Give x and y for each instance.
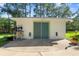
(5, 35)
(3, 38)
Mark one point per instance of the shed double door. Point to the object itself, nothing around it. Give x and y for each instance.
(41, 30)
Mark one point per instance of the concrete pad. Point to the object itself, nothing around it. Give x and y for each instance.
(30, 48)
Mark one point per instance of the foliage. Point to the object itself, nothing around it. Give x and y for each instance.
(52, 10)
(38, 9)
(71, 34)
(14, 9)
(5, 26)
(72, 26)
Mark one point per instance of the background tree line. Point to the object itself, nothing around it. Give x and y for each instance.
(42, 10)
(37, 10)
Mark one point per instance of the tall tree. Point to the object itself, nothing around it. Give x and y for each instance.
(37, 10)
(52, 10)
(40, 10)
(15, 9)
(66, 12)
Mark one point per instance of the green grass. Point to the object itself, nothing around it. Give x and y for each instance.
(3, 38)
(71, 34)
(3, 41)
(6, 35)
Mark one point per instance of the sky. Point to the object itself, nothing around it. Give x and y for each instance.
(73, 7)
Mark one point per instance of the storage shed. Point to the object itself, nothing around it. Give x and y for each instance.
(42, 28)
